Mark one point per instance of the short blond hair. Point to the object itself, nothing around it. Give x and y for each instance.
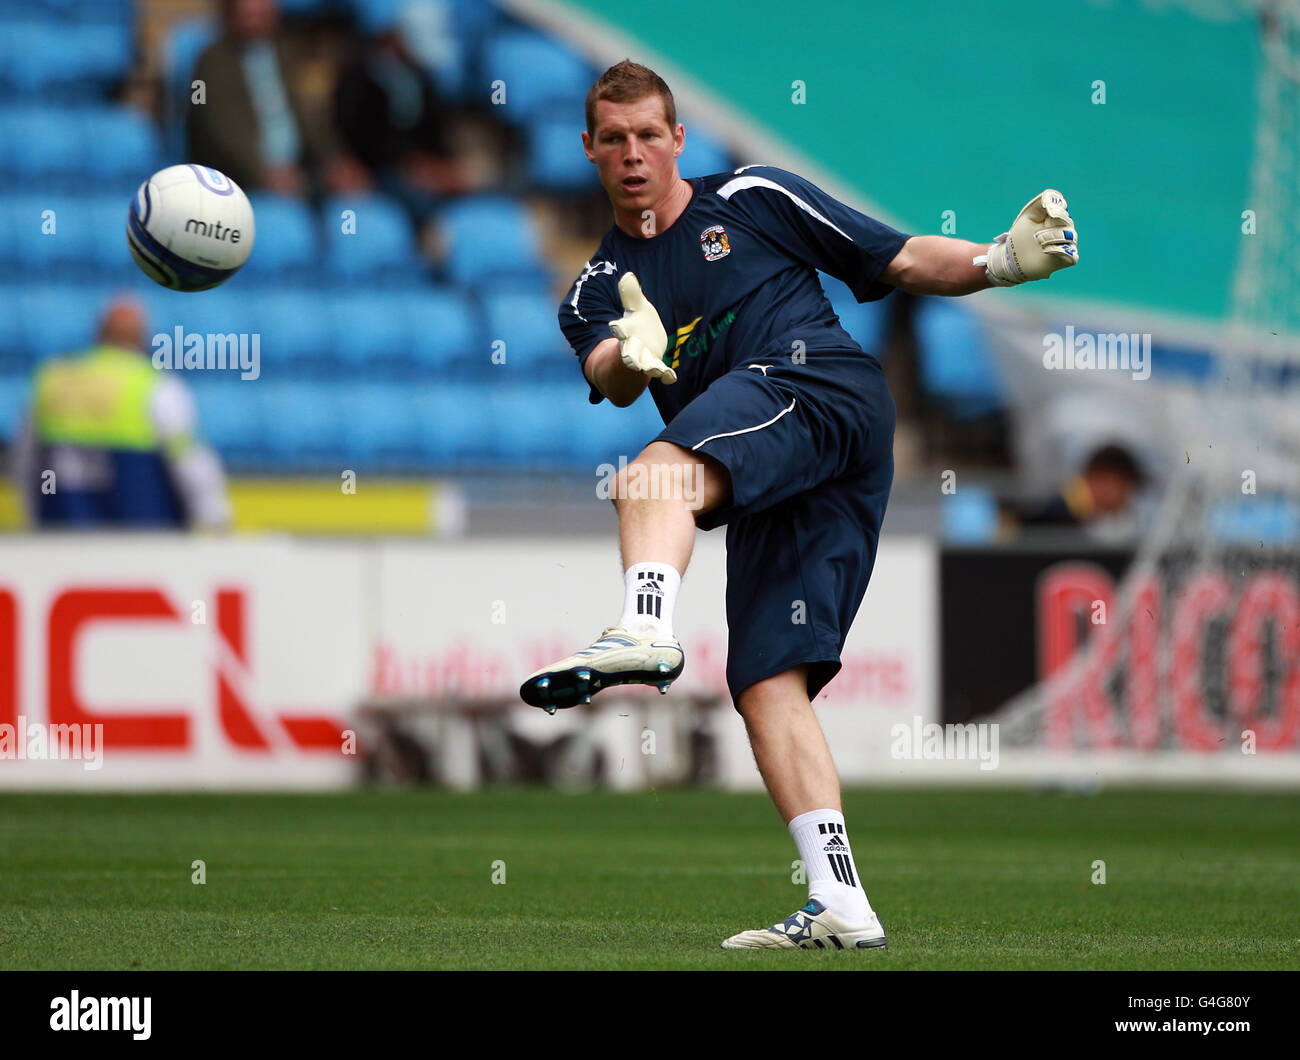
(627, 82)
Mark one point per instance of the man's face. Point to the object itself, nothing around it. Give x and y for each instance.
(252, 19)
(1112, 491)
(635, 151)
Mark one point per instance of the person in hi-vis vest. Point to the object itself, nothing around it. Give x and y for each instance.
(110, 440)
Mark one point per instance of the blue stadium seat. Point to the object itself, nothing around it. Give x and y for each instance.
(867, 322)
(108, 256)
(285, 245)
(379, 245)
(526, 321)
(447, 340)
(555, 158)
(603, 433)
(13, 339)
(956, 367)
(15, 395)
(452, 423)
(294, 332)
(491, 238)
(231, 421)
(54, 61)
(702, 155)
(306, 426)
(46, 236)
(371, 335)
(540, 74)
(969, 516)
(136, 149)
(384, 427)
(60, 319)
(40, 147)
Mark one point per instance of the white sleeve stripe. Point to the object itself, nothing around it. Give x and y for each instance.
(589, 270)
(741, 183)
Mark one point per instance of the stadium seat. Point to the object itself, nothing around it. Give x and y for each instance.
(53, 61)
(378, 245)
(371, 335)
(556, 79)
(491, 238)
(702, 155)
(15, 394)
(956, 367)
(60, 319)
(49, 235)
(526, 322)
(285, 247)
(384, 427)
(452, 423)
(447, 340)
(555, 158)
(970, 516)
(136, 153)
(306, 426)
(444, 37)
(867, 322)
(295, 337)
(231, 421)
(13, 354)
(40, 146)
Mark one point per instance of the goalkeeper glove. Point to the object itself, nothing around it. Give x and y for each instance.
(1042, 240)
(642, 336)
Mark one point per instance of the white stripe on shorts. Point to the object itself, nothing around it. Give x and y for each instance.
(746, 430)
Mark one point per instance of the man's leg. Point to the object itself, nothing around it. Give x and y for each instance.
(658, 497)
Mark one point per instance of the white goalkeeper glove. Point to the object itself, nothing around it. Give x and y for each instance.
(643, 340)
(1042, 240)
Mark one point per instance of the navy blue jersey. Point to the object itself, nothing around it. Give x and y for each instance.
(734, 277)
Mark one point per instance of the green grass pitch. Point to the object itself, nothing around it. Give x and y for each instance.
(404, 880)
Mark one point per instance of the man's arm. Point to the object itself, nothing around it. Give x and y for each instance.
(937, 265)
(1042, 240)
(605, 370)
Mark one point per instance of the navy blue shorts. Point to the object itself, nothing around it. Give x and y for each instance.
(810, 451)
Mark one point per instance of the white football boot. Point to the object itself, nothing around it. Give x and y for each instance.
(813, 927)
(617, 658)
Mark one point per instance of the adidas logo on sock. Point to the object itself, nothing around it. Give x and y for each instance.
(649, 594)
(836, 843)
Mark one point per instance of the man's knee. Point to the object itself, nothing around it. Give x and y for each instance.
(665, 471)
(783, 691)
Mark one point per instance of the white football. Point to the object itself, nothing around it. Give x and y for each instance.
(190, 228)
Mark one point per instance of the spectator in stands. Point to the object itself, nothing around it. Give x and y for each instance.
(1104, 489)
(255, 126)
(392, 120)
(109, 440)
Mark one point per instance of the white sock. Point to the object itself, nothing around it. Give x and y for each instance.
(827, 858)
(651, 596)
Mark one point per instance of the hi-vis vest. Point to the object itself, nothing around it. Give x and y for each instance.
(101, 459)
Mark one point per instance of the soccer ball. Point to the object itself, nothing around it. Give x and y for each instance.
(190, 228)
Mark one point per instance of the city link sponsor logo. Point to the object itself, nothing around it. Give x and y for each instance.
(1093, 351)
(692, 343)
(196, 351)
(37, 742)
(934, 742)
(77, 1013)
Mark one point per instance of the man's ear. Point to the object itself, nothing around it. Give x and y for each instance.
(679, 140)
(586, 146)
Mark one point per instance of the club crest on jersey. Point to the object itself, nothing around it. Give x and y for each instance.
(715, 243)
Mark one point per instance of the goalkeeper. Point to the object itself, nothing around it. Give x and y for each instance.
(706, 291)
